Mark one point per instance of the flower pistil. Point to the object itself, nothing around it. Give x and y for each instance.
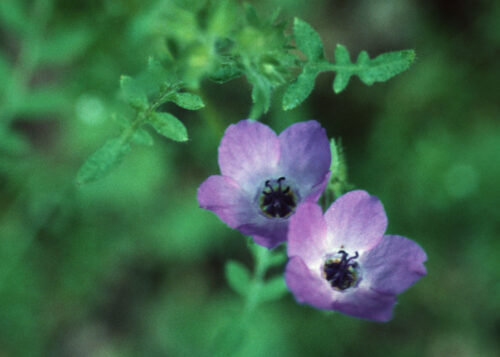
(277, 199)
(341, 271)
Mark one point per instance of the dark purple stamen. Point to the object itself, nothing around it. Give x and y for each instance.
(277, 200)
(341, 272)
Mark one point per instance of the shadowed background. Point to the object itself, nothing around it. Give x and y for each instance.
(130, 266)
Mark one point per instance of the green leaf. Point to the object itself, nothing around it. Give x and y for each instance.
(342, 77)
(273, 289)
(277, 258)
(225, 72)
(308, 40)
(142, 137)
(383, 67)
(299, 90)
(251, 15)
(100, 163)
(66, 44)
(238, 277)
(169, 126)
(188, 101)
(379, 69)
(261, 94)
(133, 93)
(158, 75)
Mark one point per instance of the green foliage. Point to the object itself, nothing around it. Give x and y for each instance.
(379, 69)
(338, 183)
(273, 289)
(238, 277)
(142, 137)
(66, 44)
(132, 93)
(188, 101)
(308, 40)
(103, 160)
(168, 126)
(128, 265)
(221, 42)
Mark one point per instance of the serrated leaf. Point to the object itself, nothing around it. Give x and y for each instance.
(273, 289)
(66, 44)
(379, 69)
(100, 163)
(168, 125)
(142, 137)
(384, 66)
(308, 40)
(299, 90)
(133, 93)
(188, 101)
(238, 277)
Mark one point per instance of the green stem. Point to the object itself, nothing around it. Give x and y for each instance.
(142, 115)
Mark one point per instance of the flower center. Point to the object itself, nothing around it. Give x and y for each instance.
(277, 199)
(341, 271)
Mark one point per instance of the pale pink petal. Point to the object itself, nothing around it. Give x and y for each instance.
(357, 221)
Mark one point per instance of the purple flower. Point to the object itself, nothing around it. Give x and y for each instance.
(343, 261)
(265, 177)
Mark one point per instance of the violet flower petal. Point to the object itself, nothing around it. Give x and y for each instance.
(393, 265)
(357, 221)
(305, 153)
(317, 190)
(307, 287)
(365, 304)
(223, 196)
(248, 150)
(266, 232)
(307, 234)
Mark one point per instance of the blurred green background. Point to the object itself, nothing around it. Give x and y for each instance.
(130, 266)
